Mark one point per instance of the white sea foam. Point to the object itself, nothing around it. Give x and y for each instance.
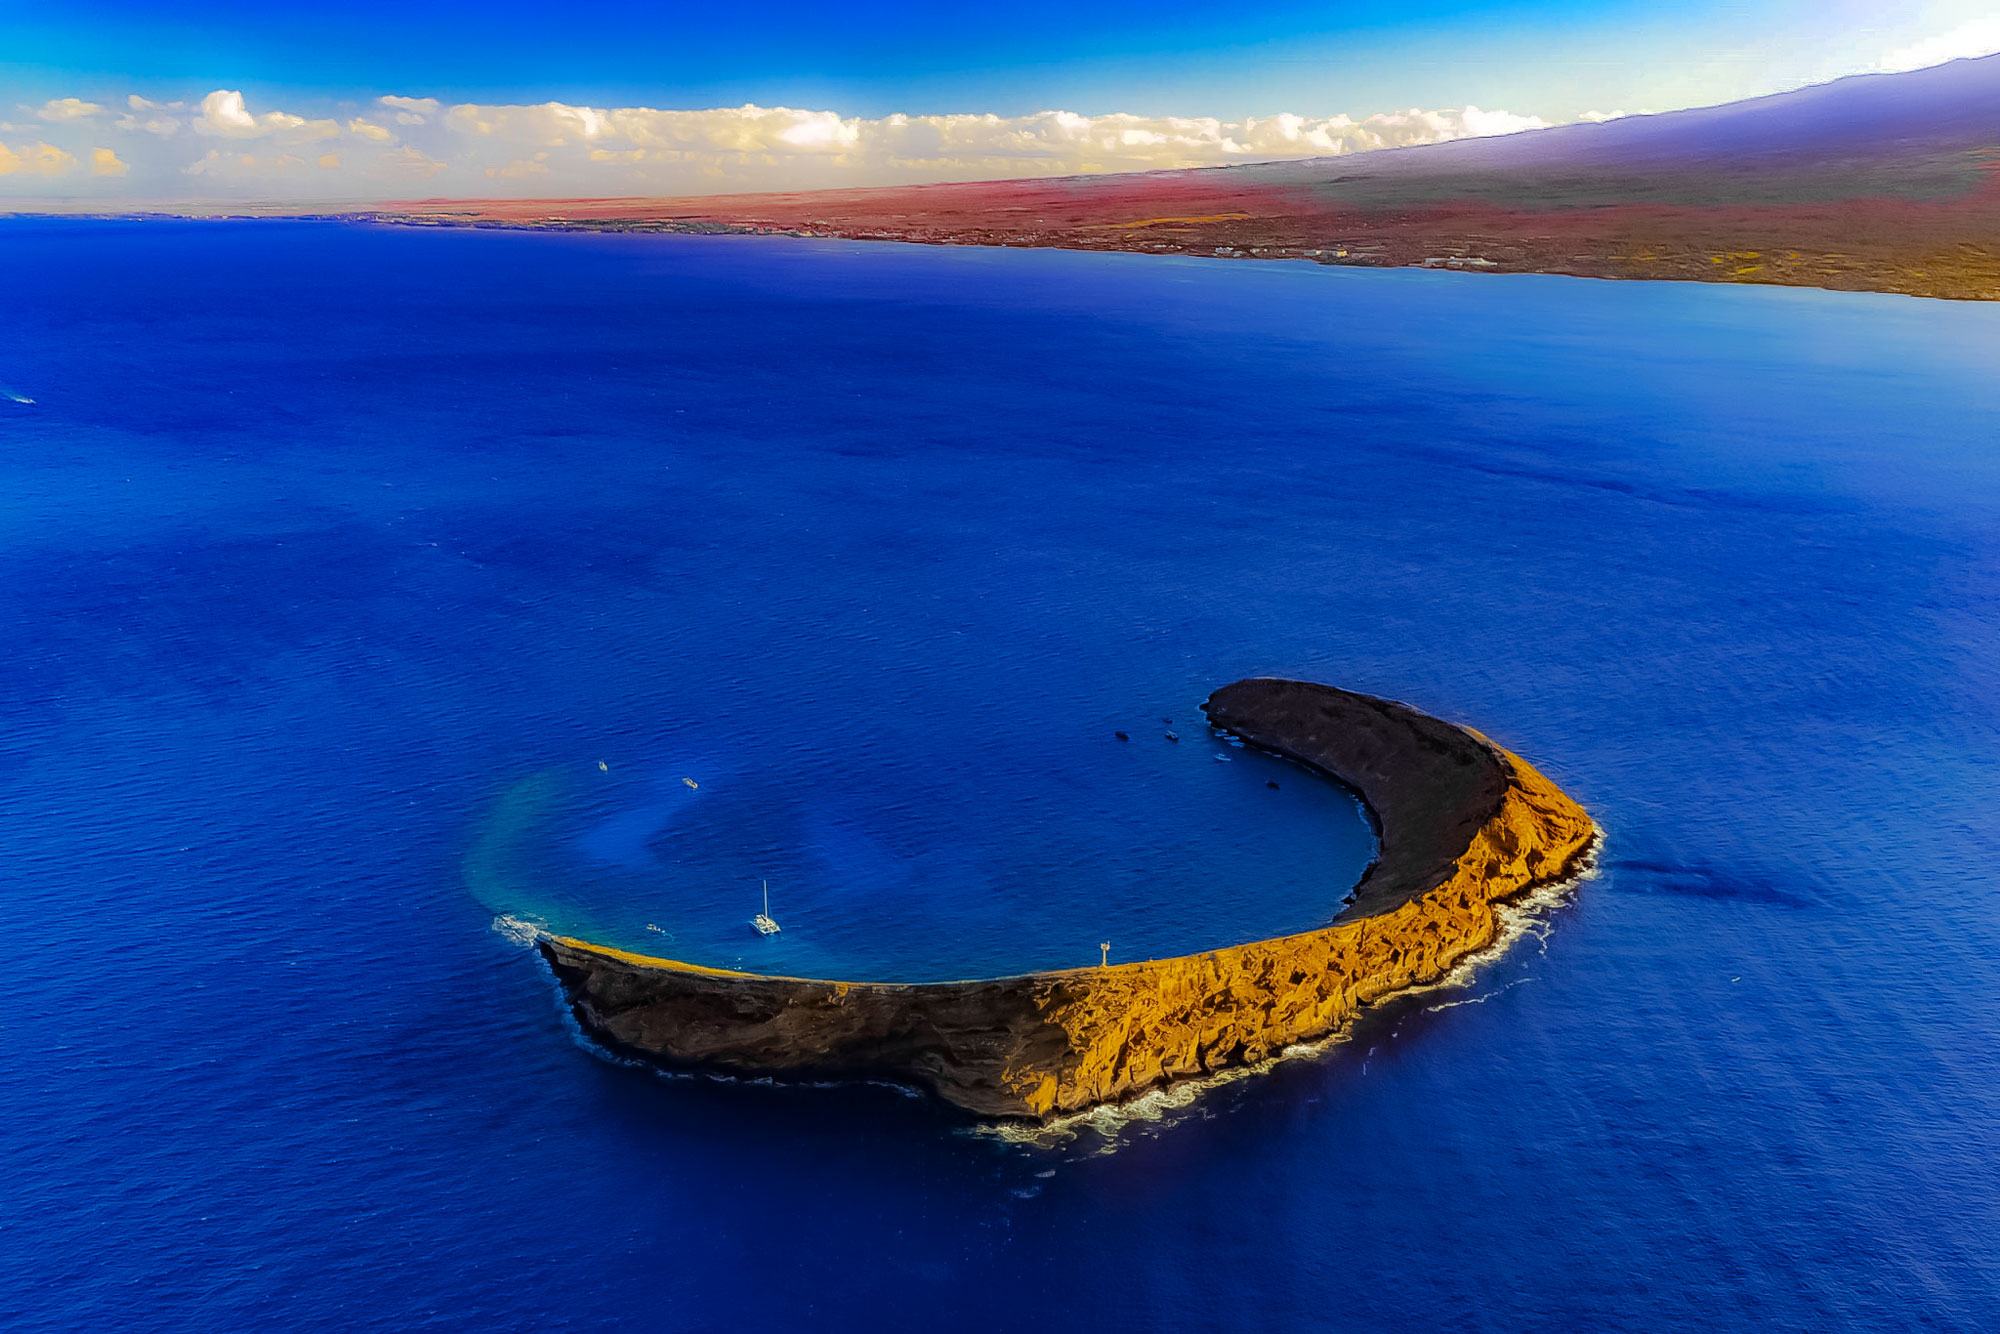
(1113, 1124)
(14, 397)
(521, 931)
(1480, 999)
(1528, 915)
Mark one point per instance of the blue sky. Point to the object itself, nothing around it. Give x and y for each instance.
(872, 60)
(1534, 61)
(1545, 57)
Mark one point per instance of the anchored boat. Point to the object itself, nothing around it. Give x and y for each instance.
(763, 921)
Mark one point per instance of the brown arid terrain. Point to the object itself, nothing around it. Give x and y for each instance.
(1885, 183)
(1464, 826)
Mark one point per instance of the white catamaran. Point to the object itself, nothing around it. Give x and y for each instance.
(766, 925)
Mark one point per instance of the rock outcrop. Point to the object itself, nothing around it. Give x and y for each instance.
(1463, 823)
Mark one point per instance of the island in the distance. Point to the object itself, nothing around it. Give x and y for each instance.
(1463, 824)
(1879, 183)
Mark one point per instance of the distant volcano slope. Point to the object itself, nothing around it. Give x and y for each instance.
(1884, 182)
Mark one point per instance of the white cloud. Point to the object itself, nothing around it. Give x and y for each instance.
(548, 123)
(227, 165)
(521, 168)
(821, 132)
(224, 114)
(563, 148)
(105, 162)
(160, 125)
(35, 160)
(147, 116)
(411, 110)
(1979, 37)
(1049, 142)
(69, 108)
(412, 162)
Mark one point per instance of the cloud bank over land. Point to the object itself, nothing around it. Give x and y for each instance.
(1978, 37)
(222, 144)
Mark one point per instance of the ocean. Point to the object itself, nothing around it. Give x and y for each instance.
(379, 596)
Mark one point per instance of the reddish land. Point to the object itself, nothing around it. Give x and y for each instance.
(1880, 183)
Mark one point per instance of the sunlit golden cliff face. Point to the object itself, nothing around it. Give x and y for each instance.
(1464, 825)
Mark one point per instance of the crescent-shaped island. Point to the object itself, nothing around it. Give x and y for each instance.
(1464, 825)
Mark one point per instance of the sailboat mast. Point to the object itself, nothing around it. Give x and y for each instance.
(767, 898)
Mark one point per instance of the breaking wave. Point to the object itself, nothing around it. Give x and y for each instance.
(1110, 1126)
(522, 931)
(1530, 915)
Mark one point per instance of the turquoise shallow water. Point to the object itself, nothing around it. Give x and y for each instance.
(1064, 840)
(338, 559)
(1048, 839)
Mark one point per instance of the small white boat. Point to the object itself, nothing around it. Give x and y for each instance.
(766, 925)
(692, 785)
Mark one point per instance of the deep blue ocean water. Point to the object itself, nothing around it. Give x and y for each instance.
(336, 561)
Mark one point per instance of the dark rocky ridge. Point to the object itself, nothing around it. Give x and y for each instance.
(1377, 748)
(1463, 825)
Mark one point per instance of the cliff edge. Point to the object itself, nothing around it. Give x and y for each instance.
(1464, 825)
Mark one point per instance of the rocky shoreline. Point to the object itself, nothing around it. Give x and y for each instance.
(1464, 825)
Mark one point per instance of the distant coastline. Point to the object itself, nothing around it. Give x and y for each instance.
(1875, 183)
(1973, 275)
(1740, 253)
(1465, 825)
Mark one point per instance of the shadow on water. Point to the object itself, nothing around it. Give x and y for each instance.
(1701, 881)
